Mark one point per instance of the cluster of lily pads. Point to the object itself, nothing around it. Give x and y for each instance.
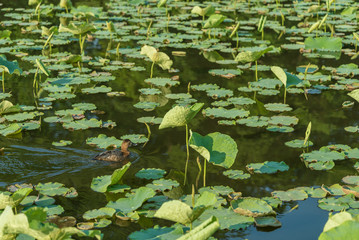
(226, 33)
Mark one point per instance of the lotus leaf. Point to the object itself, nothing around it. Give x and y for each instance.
(277, 107)
(298, 143)
(322, 156)
(252, 207)
(104, 212)
(290, 195)
(322, 165)
(180, 116)
(157, 233)
(236, 174)
(336, 204)
(267, 167)
(267, 221)
(8, 66)
(83, 124)
(251, 56)
(324, 43)
(93, 90)
(202, 231)
(225, 113)
(214, 20)
(150, 173)
(102, 141)
(162, 82)
(51, 189)
(11, 129)
(62, 143)
(133, 202)
(354, 180)
(335, 190)
(217, 148)
(163, 184)
(80, 29)
(207, 11)
(101, 184)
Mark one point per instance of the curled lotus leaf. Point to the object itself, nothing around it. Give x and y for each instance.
(180, 116)
(252, 207)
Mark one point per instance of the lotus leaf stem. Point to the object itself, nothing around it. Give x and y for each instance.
(153, 64)
(186, 167)
(256, 71)
(118, 50)
(285, 94)
(204, 172)
(3, 80)
(148, 135)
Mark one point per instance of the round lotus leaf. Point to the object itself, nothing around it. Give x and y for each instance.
(277, 107)
(236, 174)
(322, 165)
(102, 141)
(54, 210)
(163, 184)
(150, 120)
(150, 173)
(135, 138)
(322, 156)
(334, 190)
(218, 190)
(225, 113)
(267, 167)
(146, 105)
(267, 221)
(104, 212)
(62, 143)
(354, 180)
(298, 143)
(162, 82)
(274, 202)
(336, 204)
(157, 232)
(51, 189)
(290, 195)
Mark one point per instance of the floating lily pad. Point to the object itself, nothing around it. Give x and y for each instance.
(298, 143)
(354, 180)
(104, 212)
(267, 167)
(163, 184)
(236, 174)
(252, 207)
(62, 143)
(290, 195)
(150, 173)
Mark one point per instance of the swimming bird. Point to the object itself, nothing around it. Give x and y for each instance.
(116, 155)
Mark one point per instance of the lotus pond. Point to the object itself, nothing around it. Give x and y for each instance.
(244, 115)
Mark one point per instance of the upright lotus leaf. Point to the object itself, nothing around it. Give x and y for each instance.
(67, 4)
(336, 220)
(160, 58)
(354, 94)
(214, 20)
(42, 67)
(157, 233)
(207, 11)
(286, 78)
(217, 148)
(77, 29)
(104, 212)
(110, 27)
(161, 3)
(8, 107)
(34, 2)
(324, 43)
(9, 66)
(100, 184)
(20, 195)
(48, 31)
(203, 231)
(251, 56)
(346, 228)
(180, 116)
(5, 34)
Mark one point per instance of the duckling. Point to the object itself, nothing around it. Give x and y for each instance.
(116, 155)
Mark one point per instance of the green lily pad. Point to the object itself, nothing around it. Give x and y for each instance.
(298, 143)
(290, 195)
(336, 204)
(225, 113)
(322, 165)
(52, 189)
(104, 212)
(101, 184)
(267, 221)
(162, 82)
(267, 167)
(278, 107)
(62, 143)
(252, 207)
(102, 141)
(133, 202)
(163, 184)
(354, 180)
(236, 174)
(150, 173)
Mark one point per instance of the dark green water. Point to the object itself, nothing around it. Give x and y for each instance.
(32, 158)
